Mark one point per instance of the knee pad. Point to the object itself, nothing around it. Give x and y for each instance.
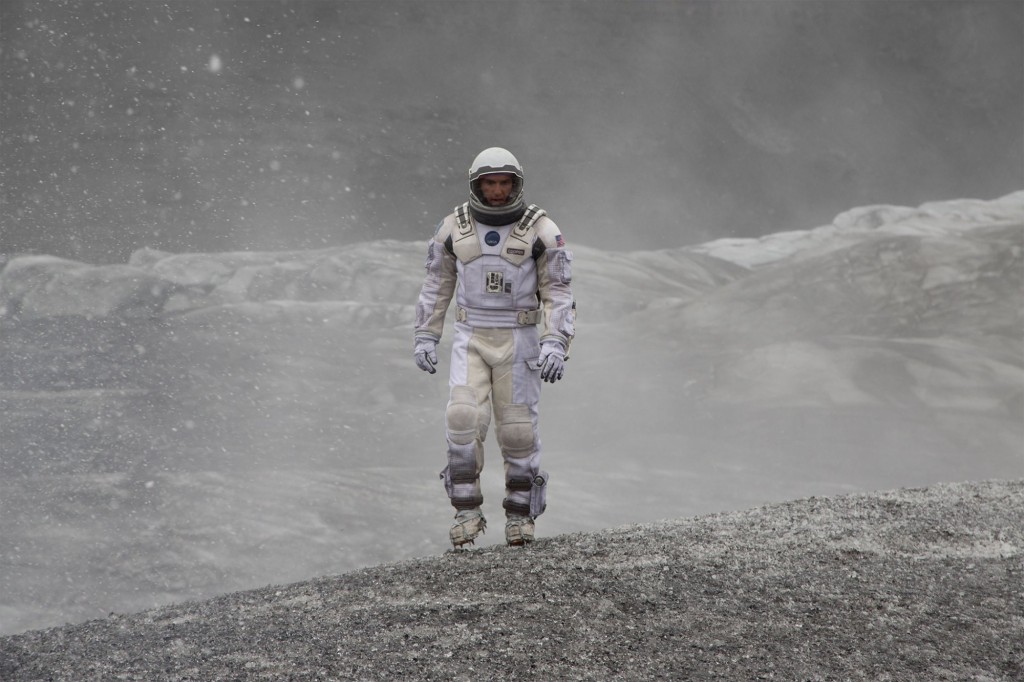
(516, 434)
(461, 415)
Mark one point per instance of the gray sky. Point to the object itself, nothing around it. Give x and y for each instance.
(194, 126)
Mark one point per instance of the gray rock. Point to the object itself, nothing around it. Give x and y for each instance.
(912, 584)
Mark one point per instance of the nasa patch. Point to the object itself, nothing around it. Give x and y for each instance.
(492, 238)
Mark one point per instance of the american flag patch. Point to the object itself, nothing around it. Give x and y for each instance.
(559, 240)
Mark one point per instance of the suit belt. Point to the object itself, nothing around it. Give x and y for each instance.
(498, 317)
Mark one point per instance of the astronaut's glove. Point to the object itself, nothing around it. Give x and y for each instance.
(425, 354)
(552, 360)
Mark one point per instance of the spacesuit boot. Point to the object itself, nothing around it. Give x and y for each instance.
(518, 530)
(469, 523)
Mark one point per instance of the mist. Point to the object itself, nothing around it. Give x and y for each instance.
(797, 229)
(193, 424)
(222, 126)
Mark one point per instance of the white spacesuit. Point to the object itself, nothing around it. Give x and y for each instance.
(507, 267)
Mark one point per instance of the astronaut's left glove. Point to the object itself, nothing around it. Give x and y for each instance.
(552, 360)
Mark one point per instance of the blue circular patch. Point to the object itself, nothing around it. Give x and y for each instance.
(492, 238)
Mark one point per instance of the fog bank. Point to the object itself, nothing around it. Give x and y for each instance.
(221, 126)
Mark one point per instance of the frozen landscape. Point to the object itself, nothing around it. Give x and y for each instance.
(799, 239)
(192, 424)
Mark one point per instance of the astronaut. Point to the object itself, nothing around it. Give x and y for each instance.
(507, 266)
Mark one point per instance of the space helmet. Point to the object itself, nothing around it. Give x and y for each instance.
(496, 160)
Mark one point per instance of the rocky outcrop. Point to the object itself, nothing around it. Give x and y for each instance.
(919, 584)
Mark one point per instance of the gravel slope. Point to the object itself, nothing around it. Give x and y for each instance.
(923, 584)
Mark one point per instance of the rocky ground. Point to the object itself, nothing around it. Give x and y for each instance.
(922, 584)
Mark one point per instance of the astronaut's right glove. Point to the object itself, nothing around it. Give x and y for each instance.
(425, 354)
(552, 360)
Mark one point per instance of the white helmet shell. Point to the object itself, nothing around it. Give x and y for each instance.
(490, 161)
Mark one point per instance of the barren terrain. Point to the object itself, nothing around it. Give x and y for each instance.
(913, 584)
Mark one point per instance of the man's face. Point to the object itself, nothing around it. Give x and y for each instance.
(496, 188)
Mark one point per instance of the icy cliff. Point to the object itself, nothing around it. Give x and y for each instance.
(184, 425)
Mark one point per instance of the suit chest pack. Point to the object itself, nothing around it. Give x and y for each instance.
(521, 243)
